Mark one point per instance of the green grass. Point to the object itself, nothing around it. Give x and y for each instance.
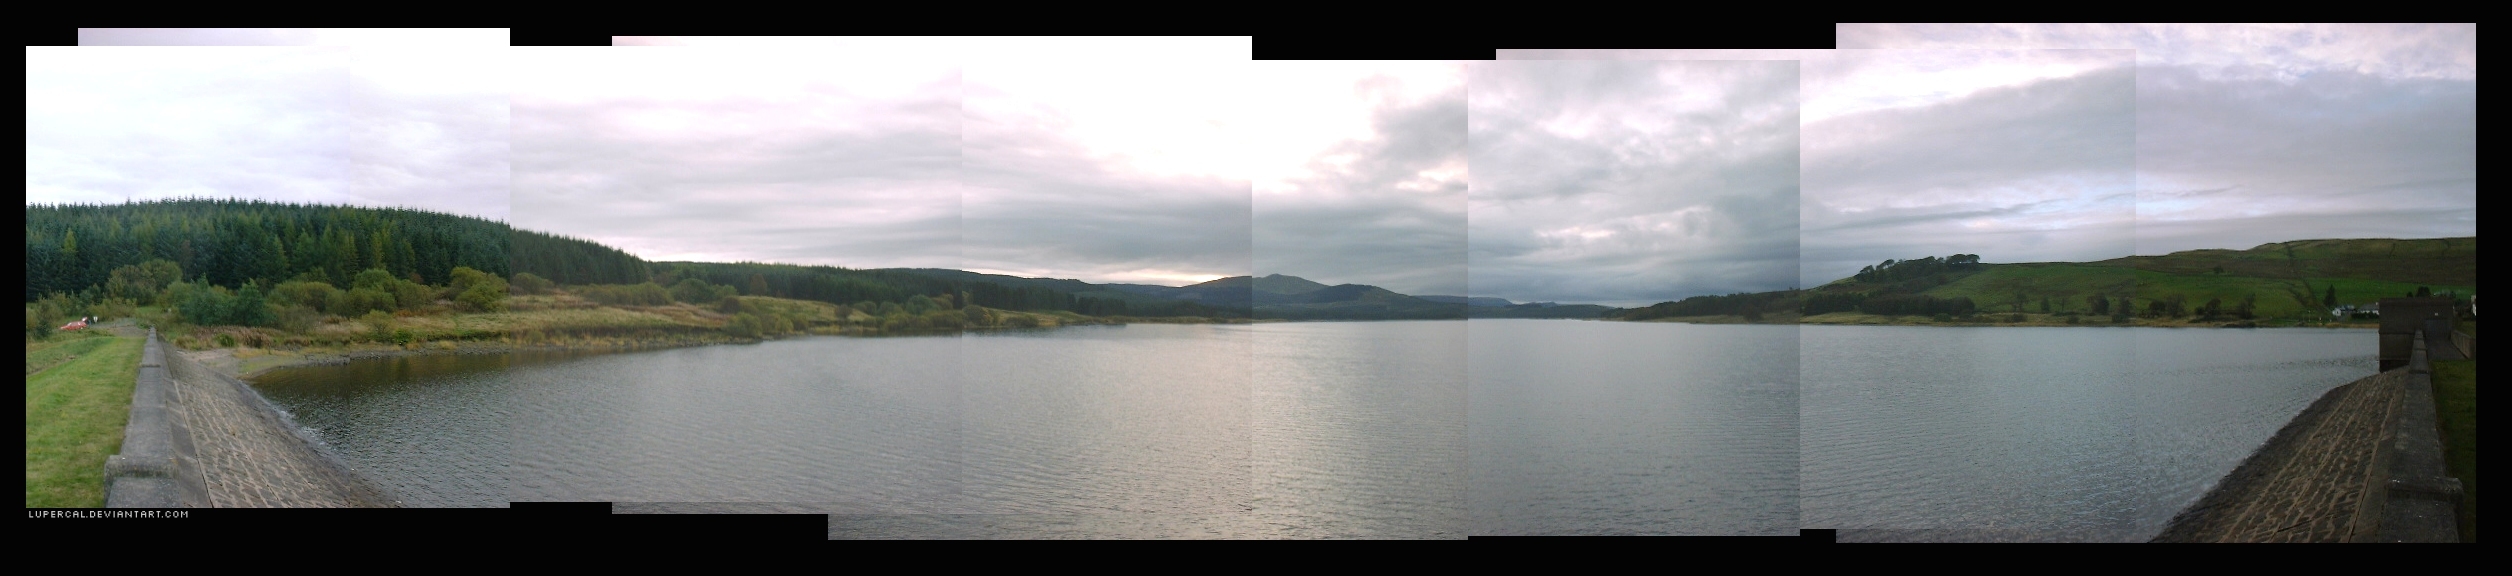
(2066, 285)
(74, 416)
(2455, 398)
(62, 348)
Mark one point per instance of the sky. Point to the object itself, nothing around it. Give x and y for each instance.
(1610, 176)
(1631, 182)
(2038, 142)
(336, 118)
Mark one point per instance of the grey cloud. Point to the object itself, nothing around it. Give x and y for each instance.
(1683, 183)
(758, 180)
(2033, 172)
(441, 152)
(151, 123)
(1036, 200)
(195, 36)
(2328, 143)
(1352, 224)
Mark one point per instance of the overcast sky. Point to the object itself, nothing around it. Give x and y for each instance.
(1595, 176)
(1632, 182)
(359, 119)
(2248, 134)
(1359, 173)
(2016, 155)
(2006, 140)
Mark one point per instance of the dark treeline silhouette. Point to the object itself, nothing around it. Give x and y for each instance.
(1899, 270)
(73, 247)
(846, 286)
(76, 249)
(1749, 305)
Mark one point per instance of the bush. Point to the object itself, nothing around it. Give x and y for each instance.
(374, 278)
(528, 283)
(310, 294)
(945, 318)
(208, 306)
(409, 295)
(298, 318)
(742, 326)
(379, 325)
(2014, 318)
(483, 297)
(695, 291)
(361, 301)
(111, 308)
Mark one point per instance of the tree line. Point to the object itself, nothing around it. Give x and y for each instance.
(75, 247)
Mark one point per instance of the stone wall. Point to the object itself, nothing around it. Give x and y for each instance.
(222, 445)
(2361, 464)
(158, 465)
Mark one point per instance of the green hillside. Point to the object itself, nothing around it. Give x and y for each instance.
(2284, 281)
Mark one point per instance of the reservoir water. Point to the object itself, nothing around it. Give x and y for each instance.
(2070, 434)
(1279, 430)
(1355, 429)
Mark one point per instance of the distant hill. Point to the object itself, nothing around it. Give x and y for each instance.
(1478, 301)
(2297, 280)
(1287, 297)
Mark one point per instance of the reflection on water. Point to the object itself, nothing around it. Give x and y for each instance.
(1633, 428)
(2087, 434)
(1278, 430)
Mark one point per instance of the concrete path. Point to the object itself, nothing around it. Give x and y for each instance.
(251, 456)
(2309, 482)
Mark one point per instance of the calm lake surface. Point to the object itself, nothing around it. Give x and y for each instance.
(2083, 434)
(1297, 430)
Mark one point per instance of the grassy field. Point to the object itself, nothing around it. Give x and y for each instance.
(2455, 384)
(2067, 285)
(75, 410)
(63, 348)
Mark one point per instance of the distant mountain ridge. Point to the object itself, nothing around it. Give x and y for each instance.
(1281, 296)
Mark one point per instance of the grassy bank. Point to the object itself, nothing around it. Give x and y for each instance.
(76, 406)
(2034, 319)
(2455, 398)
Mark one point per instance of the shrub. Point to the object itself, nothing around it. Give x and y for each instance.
(742, 325)
(379, 324)
(2014, 318)
(226, 340)
(409, 295)
(375, 278)
(110, 308)
(305, 293)
(360, 301)
(528, 283)
(695, 291)
(482, 297)
(298, 318)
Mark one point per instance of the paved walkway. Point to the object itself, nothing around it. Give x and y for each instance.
(249, 455)
(2308, 482)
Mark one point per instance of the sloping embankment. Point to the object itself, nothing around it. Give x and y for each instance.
(2361, 464)
(198, 438)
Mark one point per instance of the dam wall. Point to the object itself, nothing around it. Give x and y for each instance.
(2361, 464)
(198, 438)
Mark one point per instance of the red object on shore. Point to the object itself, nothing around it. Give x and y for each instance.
(74, 325)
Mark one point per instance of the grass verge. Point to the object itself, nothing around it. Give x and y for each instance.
(2455, 398)
(75, 411)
